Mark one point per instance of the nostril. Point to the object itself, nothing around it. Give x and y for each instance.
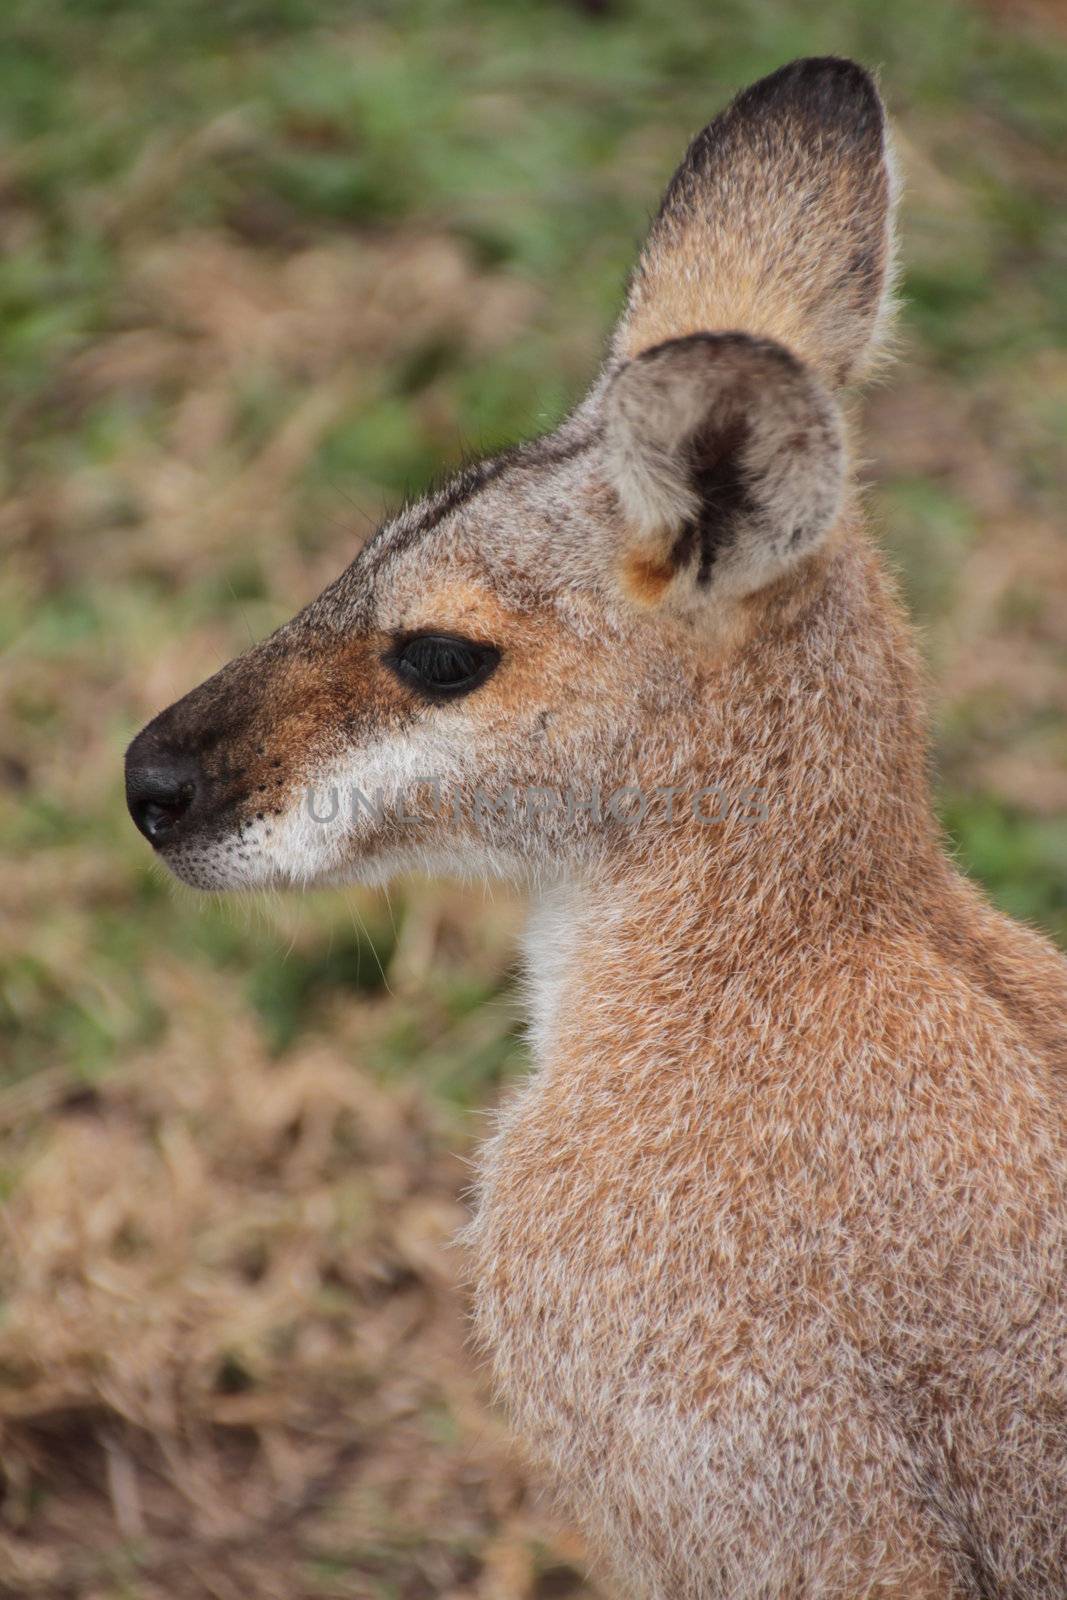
(157, 817)
(158, 798)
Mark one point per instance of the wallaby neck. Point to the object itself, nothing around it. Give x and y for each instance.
(826, 722)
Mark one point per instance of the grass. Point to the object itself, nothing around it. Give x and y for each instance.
(265, 268)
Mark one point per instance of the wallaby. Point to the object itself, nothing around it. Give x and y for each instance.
(769, 1251)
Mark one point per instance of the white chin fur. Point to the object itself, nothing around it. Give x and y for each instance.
(328, 836)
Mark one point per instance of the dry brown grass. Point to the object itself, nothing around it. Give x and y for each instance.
(233, 1344)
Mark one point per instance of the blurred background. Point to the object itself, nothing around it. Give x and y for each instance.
(267, 265)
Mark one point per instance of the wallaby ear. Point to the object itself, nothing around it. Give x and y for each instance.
(778, 221)
(727, 460)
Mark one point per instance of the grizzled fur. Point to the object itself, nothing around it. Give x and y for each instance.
(770, 1253)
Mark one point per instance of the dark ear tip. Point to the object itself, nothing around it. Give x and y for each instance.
(830, 91)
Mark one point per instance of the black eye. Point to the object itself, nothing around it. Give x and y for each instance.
(441, 665)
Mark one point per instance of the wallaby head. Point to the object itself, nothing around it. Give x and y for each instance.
(549, 620)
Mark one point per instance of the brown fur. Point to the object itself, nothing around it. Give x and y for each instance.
(769, 1253)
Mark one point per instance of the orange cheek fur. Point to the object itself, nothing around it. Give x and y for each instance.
(646, 578)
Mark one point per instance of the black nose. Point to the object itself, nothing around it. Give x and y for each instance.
(159, 795)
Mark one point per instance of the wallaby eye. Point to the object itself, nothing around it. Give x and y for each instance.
(441, 665)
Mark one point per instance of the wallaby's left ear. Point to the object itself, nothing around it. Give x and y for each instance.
(778, 221)
(727, 459)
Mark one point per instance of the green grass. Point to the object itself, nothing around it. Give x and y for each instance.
(1022, 860)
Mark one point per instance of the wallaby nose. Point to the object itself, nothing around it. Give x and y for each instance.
(159, 794)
